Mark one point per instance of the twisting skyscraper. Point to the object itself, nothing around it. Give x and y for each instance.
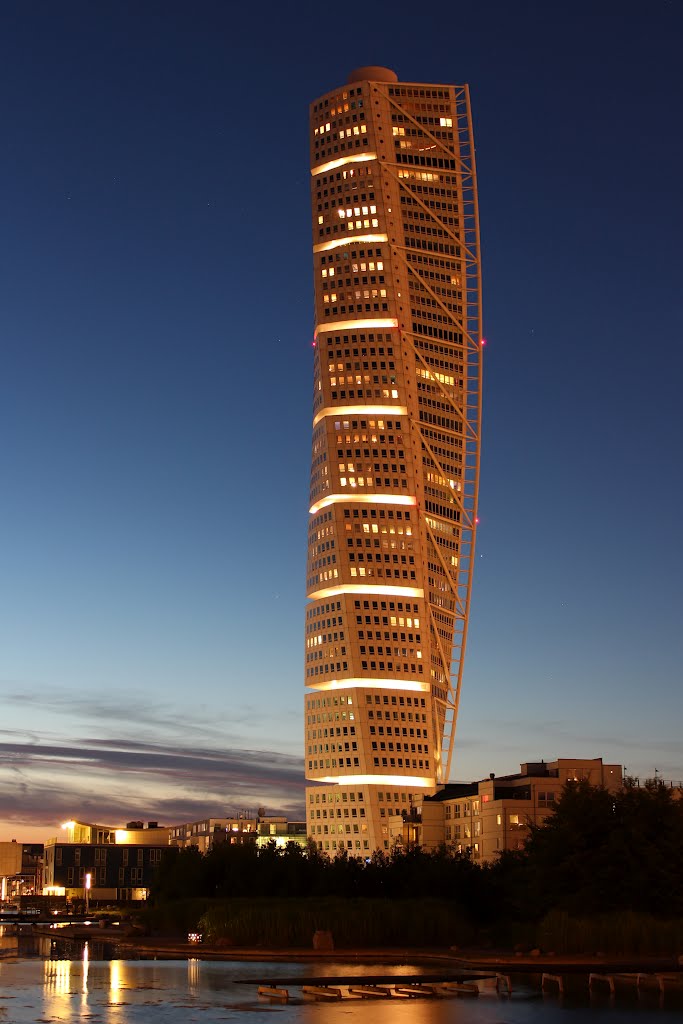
(395, 463)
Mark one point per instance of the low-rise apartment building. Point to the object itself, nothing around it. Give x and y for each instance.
(109, 863)
(487, 817)
(259, 829)
(21, 866)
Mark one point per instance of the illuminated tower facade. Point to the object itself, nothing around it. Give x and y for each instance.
(396, 440)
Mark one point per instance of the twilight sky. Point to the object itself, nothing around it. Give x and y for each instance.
(155, 390)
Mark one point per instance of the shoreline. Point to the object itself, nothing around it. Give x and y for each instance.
(501, 962)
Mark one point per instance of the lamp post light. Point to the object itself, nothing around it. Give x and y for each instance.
(88, 880)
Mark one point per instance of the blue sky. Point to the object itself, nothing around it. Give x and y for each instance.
(155, 391)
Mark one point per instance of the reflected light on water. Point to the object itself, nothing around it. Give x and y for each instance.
(416, 1011)
(57, 977)
(172, 992)
(193, 976)
(86, 968)
(115, 981)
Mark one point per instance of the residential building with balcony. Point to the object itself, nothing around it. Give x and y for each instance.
(260, 830)
(111, 863)
(484, 818)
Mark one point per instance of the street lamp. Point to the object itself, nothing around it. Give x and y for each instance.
(88, 880)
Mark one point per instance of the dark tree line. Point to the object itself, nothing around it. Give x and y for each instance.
(596, 852)
(602, 852)
(228, 871)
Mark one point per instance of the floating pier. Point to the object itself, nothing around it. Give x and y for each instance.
(430, 986)
(323, 993)
(271, 992)
(385, 986)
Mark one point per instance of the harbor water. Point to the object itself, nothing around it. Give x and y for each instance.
(45, 982)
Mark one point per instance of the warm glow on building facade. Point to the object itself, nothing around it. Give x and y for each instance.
(395, 461)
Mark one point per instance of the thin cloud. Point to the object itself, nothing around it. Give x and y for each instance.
(127, 708)
(203, 723)
(124, 756)
(135, 779)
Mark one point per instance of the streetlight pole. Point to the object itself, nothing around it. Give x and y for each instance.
(88, 879)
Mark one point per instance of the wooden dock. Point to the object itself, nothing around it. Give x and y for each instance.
(385, 986)
(430, 986)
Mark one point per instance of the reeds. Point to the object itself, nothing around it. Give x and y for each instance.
(615, 932)
(362, 923)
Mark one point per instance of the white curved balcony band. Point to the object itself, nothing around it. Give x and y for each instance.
(371, 684)
(418, 781)
(359, 410)
(356, 325)
(362, 588)
(331, 165)
(336, 243)
(363, 499)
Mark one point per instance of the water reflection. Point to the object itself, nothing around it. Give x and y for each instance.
(193, 976)
(115, 980)
(57, 986)
(84, 981)
(175, 992)
(41, 942)
(57, 977)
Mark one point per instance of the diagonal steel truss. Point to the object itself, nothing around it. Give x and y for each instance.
(449, 619)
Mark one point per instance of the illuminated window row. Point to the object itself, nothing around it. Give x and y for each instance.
(322, 764)
(357, 211)
(332, 150)
(418, 175)
(359, 224)
(367, 293)
(354, 268)
(356, 129)
(379, 572)
(324, 638)
(382, 394)
(357, 378)
(325, 576)
(333, 669)
(366, 438)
